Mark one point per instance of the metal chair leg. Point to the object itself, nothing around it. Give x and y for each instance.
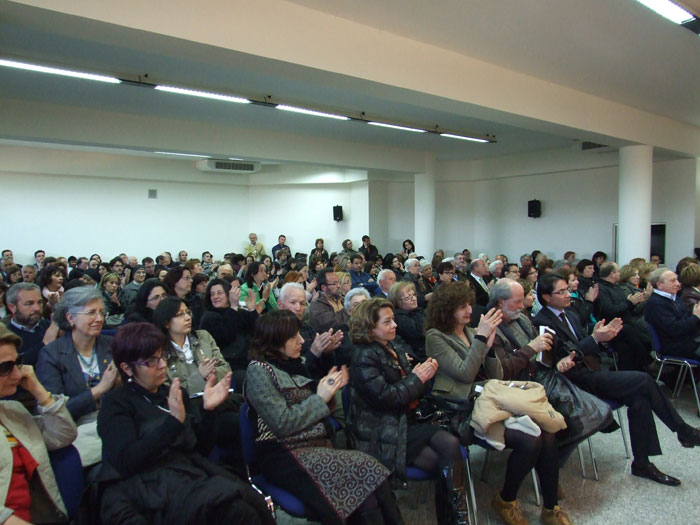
(483, 466)
(580, 458)
(595, 465)
(536, 485)
(658, 375)
(472, 493)
(625, 439)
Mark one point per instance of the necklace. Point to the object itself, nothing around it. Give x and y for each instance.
(91, 370)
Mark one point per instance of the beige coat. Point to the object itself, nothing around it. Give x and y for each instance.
(52, 429)
(499, 401)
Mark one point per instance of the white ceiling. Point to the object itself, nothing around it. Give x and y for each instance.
(598, 50)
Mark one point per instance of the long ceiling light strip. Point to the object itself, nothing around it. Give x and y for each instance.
(239, 100)
(57, 71)
(202, 94)
(312, 112)
(394, 126)
(669, 10)
(177, 154)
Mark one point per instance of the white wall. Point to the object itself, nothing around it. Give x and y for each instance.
(391, 214)
(579, 208)
(77, 203)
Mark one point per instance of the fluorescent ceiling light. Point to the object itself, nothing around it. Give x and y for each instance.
(294, 109)
(393, 126)
(56, 71)
(203, 94)
(668, 10)
(461, 137)
(234, 158)
(182, 154)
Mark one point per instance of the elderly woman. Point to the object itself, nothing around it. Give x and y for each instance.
(427, 279)
(194, 354)
(690, 279)
(413, 275)
(155, 444)
(384, 391)
(179, 280)
(293, 441)
(79, 364)
(461, 351)
(152, 292)
(27, 483)
(344, 282)
(230, 325)
(256, 280)
(585, 270)
(409, 317)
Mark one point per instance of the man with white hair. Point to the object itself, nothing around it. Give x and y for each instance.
(255, 248)
(496, 269)
(460, 263)
(412, 267)
(386, 280)
(317, 349)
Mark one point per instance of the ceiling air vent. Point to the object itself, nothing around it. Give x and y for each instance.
(228, 166)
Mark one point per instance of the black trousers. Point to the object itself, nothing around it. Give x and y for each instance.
(643, 398)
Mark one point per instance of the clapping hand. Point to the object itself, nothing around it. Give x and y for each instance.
(177, 409)
(603, 333)
(331, 383)
(488, 324)
(566, 364)
(234, 295)
(206, 367)
(215, 394)
(426, 370)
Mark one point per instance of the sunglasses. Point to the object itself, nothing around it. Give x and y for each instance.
(6, 367)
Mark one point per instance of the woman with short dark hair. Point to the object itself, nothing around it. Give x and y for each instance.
(293, 442)
(256, 280)
(152, 292)
(179, 280)
(155, 444)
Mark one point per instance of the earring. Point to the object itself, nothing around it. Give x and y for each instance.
(130, 380)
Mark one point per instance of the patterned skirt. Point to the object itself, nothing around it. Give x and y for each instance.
(343, 478)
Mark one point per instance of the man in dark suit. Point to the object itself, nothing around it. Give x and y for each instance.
(578, 353)
(478, 269)
(676, 325)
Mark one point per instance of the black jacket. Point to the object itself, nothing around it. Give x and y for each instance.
(230, 329)
(379, 398)
(676, 325)
(411, 327)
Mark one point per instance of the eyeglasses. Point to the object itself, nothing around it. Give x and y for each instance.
(408, 296)
(157, 297)
(91, 314)
(6, 367)
(152, 362)
(185, 313)
(565, 291)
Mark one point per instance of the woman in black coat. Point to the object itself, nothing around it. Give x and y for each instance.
(384, 391)
(154, 469)
(409, 317)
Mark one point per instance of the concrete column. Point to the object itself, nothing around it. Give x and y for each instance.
(424, 206)
(634, 209)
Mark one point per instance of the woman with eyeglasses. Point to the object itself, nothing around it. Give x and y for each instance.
(25, 441)
(156, 443)
(409, 317)
(79, 364)
(193, 354)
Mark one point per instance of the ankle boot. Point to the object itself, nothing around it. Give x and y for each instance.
(456, 493)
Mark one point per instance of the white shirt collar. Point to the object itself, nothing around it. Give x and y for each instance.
(665, 294)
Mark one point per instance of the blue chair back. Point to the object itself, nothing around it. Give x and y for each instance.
(68, 471)
(655, 340)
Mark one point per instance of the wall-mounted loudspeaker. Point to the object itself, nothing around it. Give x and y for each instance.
(337, 213)
(534, 208)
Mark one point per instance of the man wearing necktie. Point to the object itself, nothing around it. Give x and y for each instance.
(478, 269)
(637, 390)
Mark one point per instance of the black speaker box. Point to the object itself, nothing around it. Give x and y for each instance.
(337, 213)
(534, 208)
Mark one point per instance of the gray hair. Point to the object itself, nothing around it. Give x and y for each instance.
(501, 291)
(448, 259)
(560, 264)
(424, 263)
(655, 276)
(384, 273)
(474, 264)
(72, 302)
(523, 256)
(411, 262)
(287, 288)
(484, 257)
(12, 295)
(494, 265)
(352, 293)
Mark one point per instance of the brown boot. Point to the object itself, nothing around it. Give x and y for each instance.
(555, 516)
(508, 511)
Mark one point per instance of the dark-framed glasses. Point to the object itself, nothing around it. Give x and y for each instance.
(152, 362)
(6, 367)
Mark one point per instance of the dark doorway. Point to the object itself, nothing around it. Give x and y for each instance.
(658, 240)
